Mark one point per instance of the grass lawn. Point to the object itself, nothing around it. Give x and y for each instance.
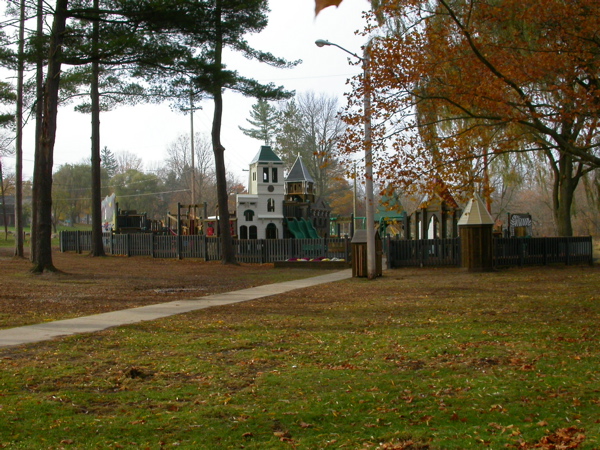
(419, 359)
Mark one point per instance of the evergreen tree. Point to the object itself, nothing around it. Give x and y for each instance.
(264, 119)
(231, 20)
(109, 161)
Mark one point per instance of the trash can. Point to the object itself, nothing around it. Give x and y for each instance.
(359, 254)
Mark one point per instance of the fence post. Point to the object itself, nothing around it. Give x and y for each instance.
(521, 251)
(178, 246)
(568, 251)
(127, 245)
(203, 248)
(545, 251)
(347, 248)
(77, 243)
(263, 250)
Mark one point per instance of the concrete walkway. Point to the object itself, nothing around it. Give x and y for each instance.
(46, 331)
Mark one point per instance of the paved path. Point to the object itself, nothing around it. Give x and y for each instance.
(97, 322)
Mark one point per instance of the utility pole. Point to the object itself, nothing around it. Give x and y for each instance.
(370, 213)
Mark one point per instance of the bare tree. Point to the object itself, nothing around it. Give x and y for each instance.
(310, 127)
(177, 171)
(128, 161)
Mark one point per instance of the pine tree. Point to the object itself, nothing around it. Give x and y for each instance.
(109, 162)
(264, 118)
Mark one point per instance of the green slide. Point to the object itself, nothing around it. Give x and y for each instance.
(311, 231)
(295, 229)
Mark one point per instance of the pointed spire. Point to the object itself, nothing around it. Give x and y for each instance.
(299, 172)
(475, 213)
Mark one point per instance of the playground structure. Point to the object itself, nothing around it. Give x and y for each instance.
(301, 228)
(436, 218)
(277, 208)
(190, 220)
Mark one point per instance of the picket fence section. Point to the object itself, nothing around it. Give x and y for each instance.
(257, 251)
(423, 252)
(399, 252)
(542, 251)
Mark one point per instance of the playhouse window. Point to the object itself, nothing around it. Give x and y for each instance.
(243, 232)
(274, 175)
(253, 176)
(249, 215)
(265, 174)
(271, 205)
(253, 232)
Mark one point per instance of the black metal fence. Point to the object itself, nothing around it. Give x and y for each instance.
(208, 248)
(399, 252)
(506, 251)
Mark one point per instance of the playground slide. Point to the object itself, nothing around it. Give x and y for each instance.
(303, 228)
(312, 232)
(294, 228)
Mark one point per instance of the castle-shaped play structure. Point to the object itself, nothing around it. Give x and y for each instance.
(276, 208)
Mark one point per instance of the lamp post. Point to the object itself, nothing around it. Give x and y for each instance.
(370, 216)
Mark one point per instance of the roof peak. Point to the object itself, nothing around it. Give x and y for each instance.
(266, 154)
(299, 172)
(475, 213)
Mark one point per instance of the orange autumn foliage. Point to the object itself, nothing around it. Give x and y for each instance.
(452, 82)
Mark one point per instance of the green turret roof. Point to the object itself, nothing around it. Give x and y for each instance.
(266, 154)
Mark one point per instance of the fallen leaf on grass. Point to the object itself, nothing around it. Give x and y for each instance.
(456, 418)
(561, 439)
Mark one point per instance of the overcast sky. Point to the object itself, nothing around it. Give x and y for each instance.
(147, 130)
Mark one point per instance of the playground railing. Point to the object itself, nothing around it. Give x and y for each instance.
(399, 252)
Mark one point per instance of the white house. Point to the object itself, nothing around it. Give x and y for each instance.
(260, 212)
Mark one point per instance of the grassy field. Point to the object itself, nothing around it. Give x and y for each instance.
(419, 359)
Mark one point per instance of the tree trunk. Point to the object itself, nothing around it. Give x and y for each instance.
(19, 140)
(97, 245)
(4, 217)
(42, 177)
(563, 193)
(227, 253)
(39, 112)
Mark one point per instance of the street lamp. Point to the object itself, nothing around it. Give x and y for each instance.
(370, 219)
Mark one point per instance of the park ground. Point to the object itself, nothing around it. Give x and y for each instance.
(418, 359)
